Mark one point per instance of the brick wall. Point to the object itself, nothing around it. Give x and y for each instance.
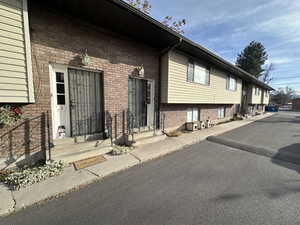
(176, 114)
(296, 104)
(59, 38)
(29, 135)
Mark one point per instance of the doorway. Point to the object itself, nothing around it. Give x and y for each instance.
(141, 102)
(86, 102)
(77, 102)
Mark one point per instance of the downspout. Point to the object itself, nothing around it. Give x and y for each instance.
(170, 48)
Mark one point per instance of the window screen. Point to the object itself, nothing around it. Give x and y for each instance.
(190, 76)
(192, 114)
(231, 83)
(197, 73)
(221, 112)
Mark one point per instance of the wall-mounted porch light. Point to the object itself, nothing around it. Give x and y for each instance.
(85, 59)
(141, 70)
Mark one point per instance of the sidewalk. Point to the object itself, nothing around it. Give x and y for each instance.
(71, 180)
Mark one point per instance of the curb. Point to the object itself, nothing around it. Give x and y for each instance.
(291, 158)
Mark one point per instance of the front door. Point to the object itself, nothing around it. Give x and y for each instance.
(141, 102)
(60, 102)
(86, 102)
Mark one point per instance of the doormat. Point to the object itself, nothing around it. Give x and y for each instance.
(81, 164)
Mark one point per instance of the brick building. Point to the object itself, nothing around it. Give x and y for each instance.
(70, 64)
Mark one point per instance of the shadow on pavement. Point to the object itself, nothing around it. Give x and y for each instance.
(290, 153)
(280, 120)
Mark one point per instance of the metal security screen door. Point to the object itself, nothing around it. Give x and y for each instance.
(86, 102)
(140, 101)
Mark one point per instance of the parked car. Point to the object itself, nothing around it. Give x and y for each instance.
(272, 108)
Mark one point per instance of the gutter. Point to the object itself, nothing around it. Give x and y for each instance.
(162, 52)
(170, 48)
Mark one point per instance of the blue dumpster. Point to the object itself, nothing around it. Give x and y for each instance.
(271, 109)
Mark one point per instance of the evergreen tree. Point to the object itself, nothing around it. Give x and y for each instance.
(252, 58)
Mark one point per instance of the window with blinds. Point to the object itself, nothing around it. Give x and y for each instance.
(192, 114)
(197, 73)
(221, 112)
(231, 83)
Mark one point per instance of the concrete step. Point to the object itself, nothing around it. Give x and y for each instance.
(70, 157)
(62, 146)
(148, 140)
(142, 135)
(79, 139)
(67, 151)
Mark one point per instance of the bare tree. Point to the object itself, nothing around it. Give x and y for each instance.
(145, 7)
(174, 25)
(266, 77)
(142, 5)
(283, 95)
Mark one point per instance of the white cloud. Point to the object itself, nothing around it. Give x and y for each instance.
(275, 60)
(227, 26)
(285, 24)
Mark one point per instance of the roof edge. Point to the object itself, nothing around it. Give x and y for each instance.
(160, 25)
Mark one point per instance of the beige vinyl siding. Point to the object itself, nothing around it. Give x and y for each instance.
(15, 62)
(164, 77)
(266, 98)
(256, 99)
(179, 90)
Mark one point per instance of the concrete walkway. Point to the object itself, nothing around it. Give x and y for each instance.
(71, 180)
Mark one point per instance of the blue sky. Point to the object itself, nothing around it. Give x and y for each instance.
(226, 27)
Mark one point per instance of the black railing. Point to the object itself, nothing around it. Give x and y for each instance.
(30, 138)
(121, 126)
(162, 122)
(108, 126)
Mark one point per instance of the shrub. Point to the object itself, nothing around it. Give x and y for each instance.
(3, 174)
(120, 150)
(26, 176)
(10, 115)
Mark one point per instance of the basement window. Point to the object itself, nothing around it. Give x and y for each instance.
(192, 114)
(221, 112)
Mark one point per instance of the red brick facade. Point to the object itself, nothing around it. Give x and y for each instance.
(59, 38)
(296, 104)
(27, 137)
(176, 114)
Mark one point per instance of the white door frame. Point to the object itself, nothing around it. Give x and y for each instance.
(151, 106)
(53, 68)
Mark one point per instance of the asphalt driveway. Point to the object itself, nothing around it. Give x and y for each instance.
(280, 132)
(206, 183)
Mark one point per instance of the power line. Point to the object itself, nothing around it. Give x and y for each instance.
(280, 78)
(285, 74)
(283, 71)
(294, 83)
